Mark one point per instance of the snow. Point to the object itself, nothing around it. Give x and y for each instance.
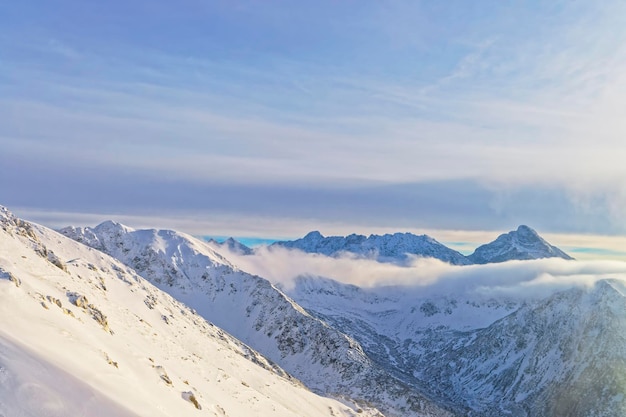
(252, 309)
(127, 348)
(32, 386)
(560, 352)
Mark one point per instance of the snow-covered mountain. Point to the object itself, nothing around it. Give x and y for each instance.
(232, 245)
(256, 312)
(385, 248)
(404, 349)
(563, 355)
(521, 244)
(83, 334)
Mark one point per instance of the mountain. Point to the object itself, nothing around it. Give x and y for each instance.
(83, 334)
(521, 244)
(232, 245)
(560, 355)
(406, 349)
(385, 248)
(259, 314)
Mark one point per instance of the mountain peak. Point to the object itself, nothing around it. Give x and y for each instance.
(113, 226)
(521, 244)
(236, 246)
(523, 229)
(5, 214)
(313, 235)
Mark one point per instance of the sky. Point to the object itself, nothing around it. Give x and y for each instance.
(269, 119)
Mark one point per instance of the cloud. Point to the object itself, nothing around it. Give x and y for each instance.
(469, 120)
(428, 276)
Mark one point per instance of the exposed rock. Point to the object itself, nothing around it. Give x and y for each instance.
(189, 396)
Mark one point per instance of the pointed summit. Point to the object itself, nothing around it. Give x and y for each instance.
(521, 244)
(314, 235)
(236, 246)
(111, 226)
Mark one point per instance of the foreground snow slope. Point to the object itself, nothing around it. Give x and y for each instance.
(82, 334)
(256, 312)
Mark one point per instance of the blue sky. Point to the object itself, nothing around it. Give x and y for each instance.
(272, 118)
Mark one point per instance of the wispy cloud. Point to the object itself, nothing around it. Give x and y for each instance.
(389, 93)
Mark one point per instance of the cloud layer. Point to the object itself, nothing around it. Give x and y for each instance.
(537, 278)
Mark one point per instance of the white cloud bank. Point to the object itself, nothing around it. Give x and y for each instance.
(535, 278)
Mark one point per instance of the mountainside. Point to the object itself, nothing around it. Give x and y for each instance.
(521, 244)
(564, 355)
(384, 248)
(82, 334)
(256, 312)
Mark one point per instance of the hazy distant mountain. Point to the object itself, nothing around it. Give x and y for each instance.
(388, 247)
(521, 244)
(232, 245)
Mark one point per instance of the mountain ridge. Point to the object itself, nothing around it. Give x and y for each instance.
(521, 244)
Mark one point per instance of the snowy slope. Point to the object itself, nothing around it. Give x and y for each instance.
(521, 244)
(398, 325)
(82, 334)
(563, 355)
(385, 248)
(255, 311)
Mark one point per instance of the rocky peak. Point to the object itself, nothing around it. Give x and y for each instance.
(521, 244)
(314, 235)
(5, 214)
(236, 246)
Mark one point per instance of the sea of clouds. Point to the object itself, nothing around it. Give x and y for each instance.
(534, 278)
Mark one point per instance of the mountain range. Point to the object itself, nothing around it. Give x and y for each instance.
(253, 310)
(157, 322)
(521, 244)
